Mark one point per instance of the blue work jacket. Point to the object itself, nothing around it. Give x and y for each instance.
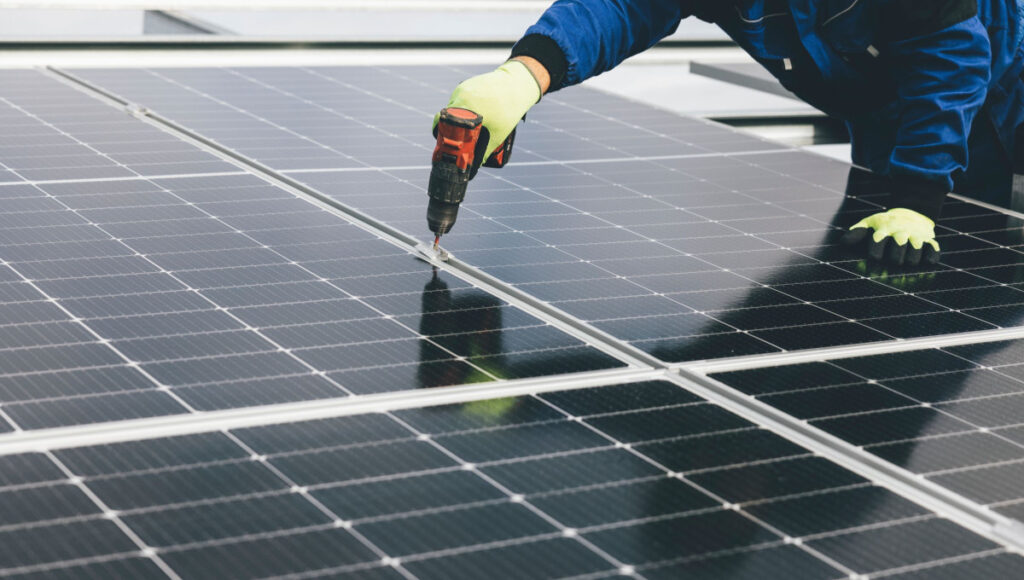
(910, 77)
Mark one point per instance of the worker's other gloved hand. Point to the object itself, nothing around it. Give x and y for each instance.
(901, 236)
(502, 97)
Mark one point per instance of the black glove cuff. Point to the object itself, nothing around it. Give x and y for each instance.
(548, 53)
(920, 195)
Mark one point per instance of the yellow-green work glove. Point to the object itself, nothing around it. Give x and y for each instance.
(901, 236)
(502, 97)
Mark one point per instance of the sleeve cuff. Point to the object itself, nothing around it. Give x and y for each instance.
(920, 195)
(548, 53)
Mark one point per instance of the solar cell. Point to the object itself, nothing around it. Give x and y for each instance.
(950, 414)
(563, 483)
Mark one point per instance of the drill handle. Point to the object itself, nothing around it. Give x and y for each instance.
(501, 155)
(468, 129)
(498, 158)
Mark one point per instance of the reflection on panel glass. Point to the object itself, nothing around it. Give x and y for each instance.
(492, 340)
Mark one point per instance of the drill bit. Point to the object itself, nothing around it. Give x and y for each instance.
(437, 251)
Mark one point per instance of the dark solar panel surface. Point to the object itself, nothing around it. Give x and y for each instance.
(713, 255)
(143, 277)
(54, 132)
(354, 117)
(147, 296)
(564, 484)
(954, 415)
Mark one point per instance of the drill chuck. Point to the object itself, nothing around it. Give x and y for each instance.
(447, 189)
(447, 183)
(441, 216)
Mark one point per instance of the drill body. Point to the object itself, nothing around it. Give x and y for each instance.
(461, 145)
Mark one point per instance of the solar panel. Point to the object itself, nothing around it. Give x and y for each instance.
(952, 415)
(168, 281)
(129, 293)
(301, 119)
(720, 245)
(561, 484)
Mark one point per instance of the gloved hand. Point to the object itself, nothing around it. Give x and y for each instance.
(502, 97)
(901, 236)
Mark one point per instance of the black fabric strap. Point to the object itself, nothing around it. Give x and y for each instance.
(920, 195)
(548, 53)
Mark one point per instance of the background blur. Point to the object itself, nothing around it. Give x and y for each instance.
(323, 20)
(675, 75)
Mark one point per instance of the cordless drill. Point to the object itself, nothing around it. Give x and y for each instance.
(461, 144)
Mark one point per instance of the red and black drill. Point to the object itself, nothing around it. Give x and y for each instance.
(461, 144)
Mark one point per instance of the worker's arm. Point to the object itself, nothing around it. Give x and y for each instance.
(573, 40)
(577, 39)
(501, 97)
(939, 55)
(538, 70)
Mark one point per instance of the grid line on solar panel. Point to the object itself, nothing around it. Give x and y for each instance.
(305, 118)
(334, 162)
(457, 550)
(964, 566)
(303, 490)
(7, 187)
(458, 430)
(325, 77)
(40, 358)
(957, 430)
(110, 515)
(64, 107)
(99, 338)
(115, 516)
(477, 434)
(440, 92)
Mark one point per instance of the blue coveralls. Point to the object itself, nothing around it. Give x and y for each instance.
(931, 89)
